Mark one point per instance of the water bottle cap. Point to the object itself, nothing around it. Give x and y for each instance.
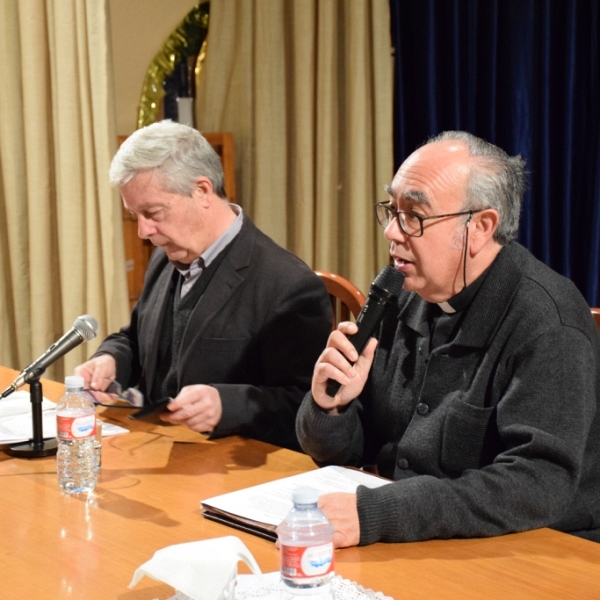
(74, 381)
(305, 495)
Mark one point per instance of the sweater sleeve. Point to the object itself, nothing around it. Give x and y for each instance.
(330, 439)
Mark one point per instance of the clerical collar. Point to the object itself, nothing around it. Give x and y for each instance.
(459, 302)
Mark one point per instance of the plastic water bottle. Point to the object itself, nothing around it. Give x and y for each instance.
(76, 433)
(98, 446)
(306, 548)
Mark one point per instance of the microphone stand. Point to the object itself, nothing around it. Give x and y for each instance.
(37, 445)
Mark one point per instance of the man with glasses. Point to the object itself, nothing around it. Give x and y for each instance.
(209, 340)
(480, 397)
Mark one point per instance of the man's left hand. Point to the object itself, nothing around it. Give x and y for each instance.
(196, 406)
(342, 511)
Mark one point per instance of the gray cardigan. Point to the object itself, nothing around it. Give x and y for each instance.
(495, 432)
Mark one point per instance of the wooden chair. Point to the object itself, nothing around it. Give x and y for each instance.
(596, 315)
(346, 299)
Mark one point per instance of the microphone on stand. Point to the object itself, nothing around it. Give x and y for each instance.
(385, 289)
(84, 329)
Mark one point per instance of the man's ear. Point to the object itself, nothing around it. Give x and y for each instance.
(482, 227)
(203, 189)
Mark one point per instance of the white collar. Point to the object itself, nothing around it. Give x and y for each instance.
(445, 306)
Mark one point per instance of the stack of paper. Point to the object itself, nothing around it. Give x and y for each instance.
(16, 423)
(261, 508)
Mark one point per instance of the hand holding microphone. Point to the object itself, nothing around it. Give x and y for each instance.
(84, 329)
(384, 292)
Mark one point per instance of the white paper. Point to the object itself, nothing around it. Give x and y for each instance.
(16, 423)
(270, 502)
(19, 403)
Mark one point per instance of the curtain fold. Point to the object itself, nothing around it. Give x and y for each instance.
(306, 89)
(524, 75)
(61, 235)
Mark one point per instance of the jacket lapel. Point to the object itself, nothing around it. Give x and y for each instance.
(229, 276)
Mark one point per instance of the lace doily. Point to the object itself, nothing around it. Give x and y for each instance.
(270, 587)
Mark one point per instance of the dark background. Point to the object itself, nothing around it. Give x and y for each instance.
(522, 74)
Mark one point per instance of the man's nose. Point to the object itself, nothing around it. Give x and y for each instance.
(393, 232)
(145, 227)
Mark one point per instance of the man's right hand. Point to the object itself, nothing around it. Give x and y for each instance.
(340, 362)
(97, 371)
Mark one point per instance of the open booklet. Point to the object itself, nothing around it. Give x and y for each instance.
(261, 508)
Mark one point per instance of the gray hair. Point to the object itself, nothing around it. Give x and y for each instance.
(496, 180)
(178, 153)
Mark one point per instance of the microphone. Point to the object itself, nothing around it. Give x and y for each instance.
(385, 289)
(84, 329)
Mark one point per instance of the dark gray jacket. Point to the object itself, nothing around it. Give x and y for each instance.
(254, 335)
(495, 432)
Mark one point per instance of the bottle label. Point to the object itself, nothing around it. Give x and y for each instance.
(76, 428)
(307, 561)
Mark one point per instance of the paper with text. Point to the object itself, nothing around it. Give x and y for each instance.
(269, 503)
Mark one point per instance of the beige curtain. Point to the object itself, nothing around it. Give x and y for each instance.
(60, 222)
(305, 86)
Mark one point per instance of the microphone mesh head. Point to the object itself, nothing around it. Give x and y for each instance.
(389, 280)
(86, 327)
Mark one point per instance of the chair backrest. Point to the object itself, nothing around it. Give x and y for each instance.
(596, 315)
(346, 299)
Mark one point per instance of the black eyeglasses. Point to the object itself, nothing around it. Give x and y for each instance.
(114, 396)
(410, 223)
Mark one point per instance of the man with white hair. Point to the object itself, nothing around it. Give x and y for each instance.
(229, 324)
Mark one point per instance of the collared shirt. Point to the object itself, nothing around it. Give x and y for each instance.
(192, 272)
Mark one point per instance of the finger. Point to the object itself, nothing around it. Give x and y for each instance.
(82, 371)
(99, 377)
(351, 377)
(368, 354)
(331, 398)
(364, 363)
(339, 540)
(102, 398)
(103, 368)
(176, 418)
(357, 374)
(339, 341)
(190, 394)
(200, 425)
(197, 422)
(183, 413)
(200, 393)
(347, 327)
(332, 365)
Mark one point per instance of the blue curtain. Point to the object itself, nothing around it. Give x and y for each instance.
(522, 74)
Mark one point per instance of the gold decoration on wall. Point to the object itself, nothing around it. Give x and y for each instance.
(188, 39)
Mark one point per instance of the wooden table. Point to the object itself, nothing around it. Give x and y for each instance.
(57, 546)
